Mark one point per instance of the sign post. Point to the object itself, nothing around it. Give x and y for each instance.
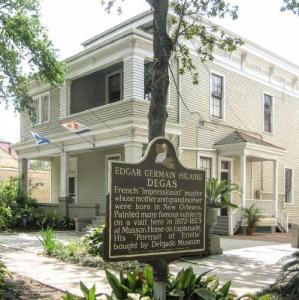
(156, 211)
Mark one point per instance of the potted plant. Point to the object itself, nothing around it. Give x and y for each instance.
(252, 216)
(218, 196)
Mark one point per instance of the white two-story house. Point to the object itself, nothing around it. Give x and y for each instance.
(241, 123)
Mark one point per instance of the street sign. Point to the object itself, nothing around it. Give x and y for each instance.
(155, 208)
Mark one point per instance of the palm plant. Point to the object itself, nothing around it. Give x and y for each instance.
(218, 193)
(252, 216)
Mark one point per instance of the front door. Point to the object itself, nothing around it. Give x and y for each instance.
(225, 175)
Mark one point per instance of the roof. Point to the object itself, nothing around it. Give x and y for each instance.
(241, 137)
(248, 44)
(4, 141)
(6, 147)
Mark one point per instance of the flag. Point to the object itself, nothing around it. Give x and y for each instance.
(40, 140)
(75, 127)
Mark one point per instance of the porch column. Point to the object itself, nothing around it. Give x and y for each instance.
(275, 181)
(243, 180)
(133, 78)
(23, 173)
(133, 151)
(64, 183)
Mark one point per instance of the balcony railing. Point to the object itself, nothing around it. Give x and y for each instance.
(267, 207)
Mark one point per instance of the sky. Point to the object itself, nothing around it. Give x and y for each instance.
(70, 22)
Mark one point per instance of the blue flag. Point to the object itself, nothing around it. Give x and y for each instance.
(40, 140)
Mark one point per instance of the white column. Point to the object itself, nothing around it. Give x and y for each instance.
(23, 172)
(243, 179)
(133, 81)
(275, 181)
(64, 174)
(133, 151)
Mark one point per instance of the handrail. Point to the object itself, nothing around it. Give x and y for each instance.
(283, 220)
(234, 217)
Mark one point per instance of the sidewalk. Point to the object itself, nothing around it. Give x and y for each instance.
(251, 265)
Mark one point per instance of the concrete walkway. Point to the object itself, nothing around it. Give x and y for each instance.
(251, 265)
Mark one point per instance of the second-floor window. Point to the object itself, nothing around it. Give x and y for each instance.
(288, 185)
(216, 96)
(114, 87)
(268, 113)
(148, 80)
(41, 107)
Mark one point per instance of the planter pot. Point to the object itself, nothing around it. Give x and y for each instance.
(250, 230)
(214, 247)
(212, 214)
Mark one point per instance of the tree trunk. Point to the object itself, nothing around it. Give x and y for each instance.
(163, 46)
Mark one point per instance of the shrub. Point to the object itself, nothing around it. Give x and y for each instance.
(49, 241)
(19, 210)
(5, 217)
(94, 240)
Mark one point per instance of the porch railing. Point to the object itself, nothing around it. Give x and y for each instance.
(267, 207)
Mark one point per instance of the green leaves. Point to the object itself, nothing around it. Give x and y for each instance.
(4, 272)
(24, 42)
(252, 215)
(218, 193)
(292, 5)
(89, 294)
(131, 284)
(188, 285)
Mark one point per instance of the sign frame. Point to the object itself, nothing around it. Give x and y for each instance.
(152, 256)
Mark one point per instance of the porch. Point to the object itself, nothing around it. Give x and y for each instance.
(257, 171)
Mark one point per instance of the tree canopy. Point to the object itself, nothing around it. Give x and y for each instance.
(25, 52)
(292, 5)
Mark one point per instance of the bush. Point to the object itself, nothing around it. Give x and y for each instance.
(94, 240)
(19, 210)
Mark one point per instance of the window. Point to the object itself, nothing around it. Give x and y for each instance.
(114, 87)
(288, 185)
(268, 113)
(205, 164)
(217, 96)
(35, 121)
(45, 108)
(148, 80)
(41, 107)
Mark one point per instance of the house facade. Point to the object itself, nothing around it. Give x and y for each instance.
(239, 123)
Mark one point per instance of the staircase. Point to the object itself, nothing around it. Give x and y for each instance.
(221, 227)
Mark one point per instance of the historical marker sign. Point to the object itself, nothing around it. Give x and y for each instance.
(155, 208)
